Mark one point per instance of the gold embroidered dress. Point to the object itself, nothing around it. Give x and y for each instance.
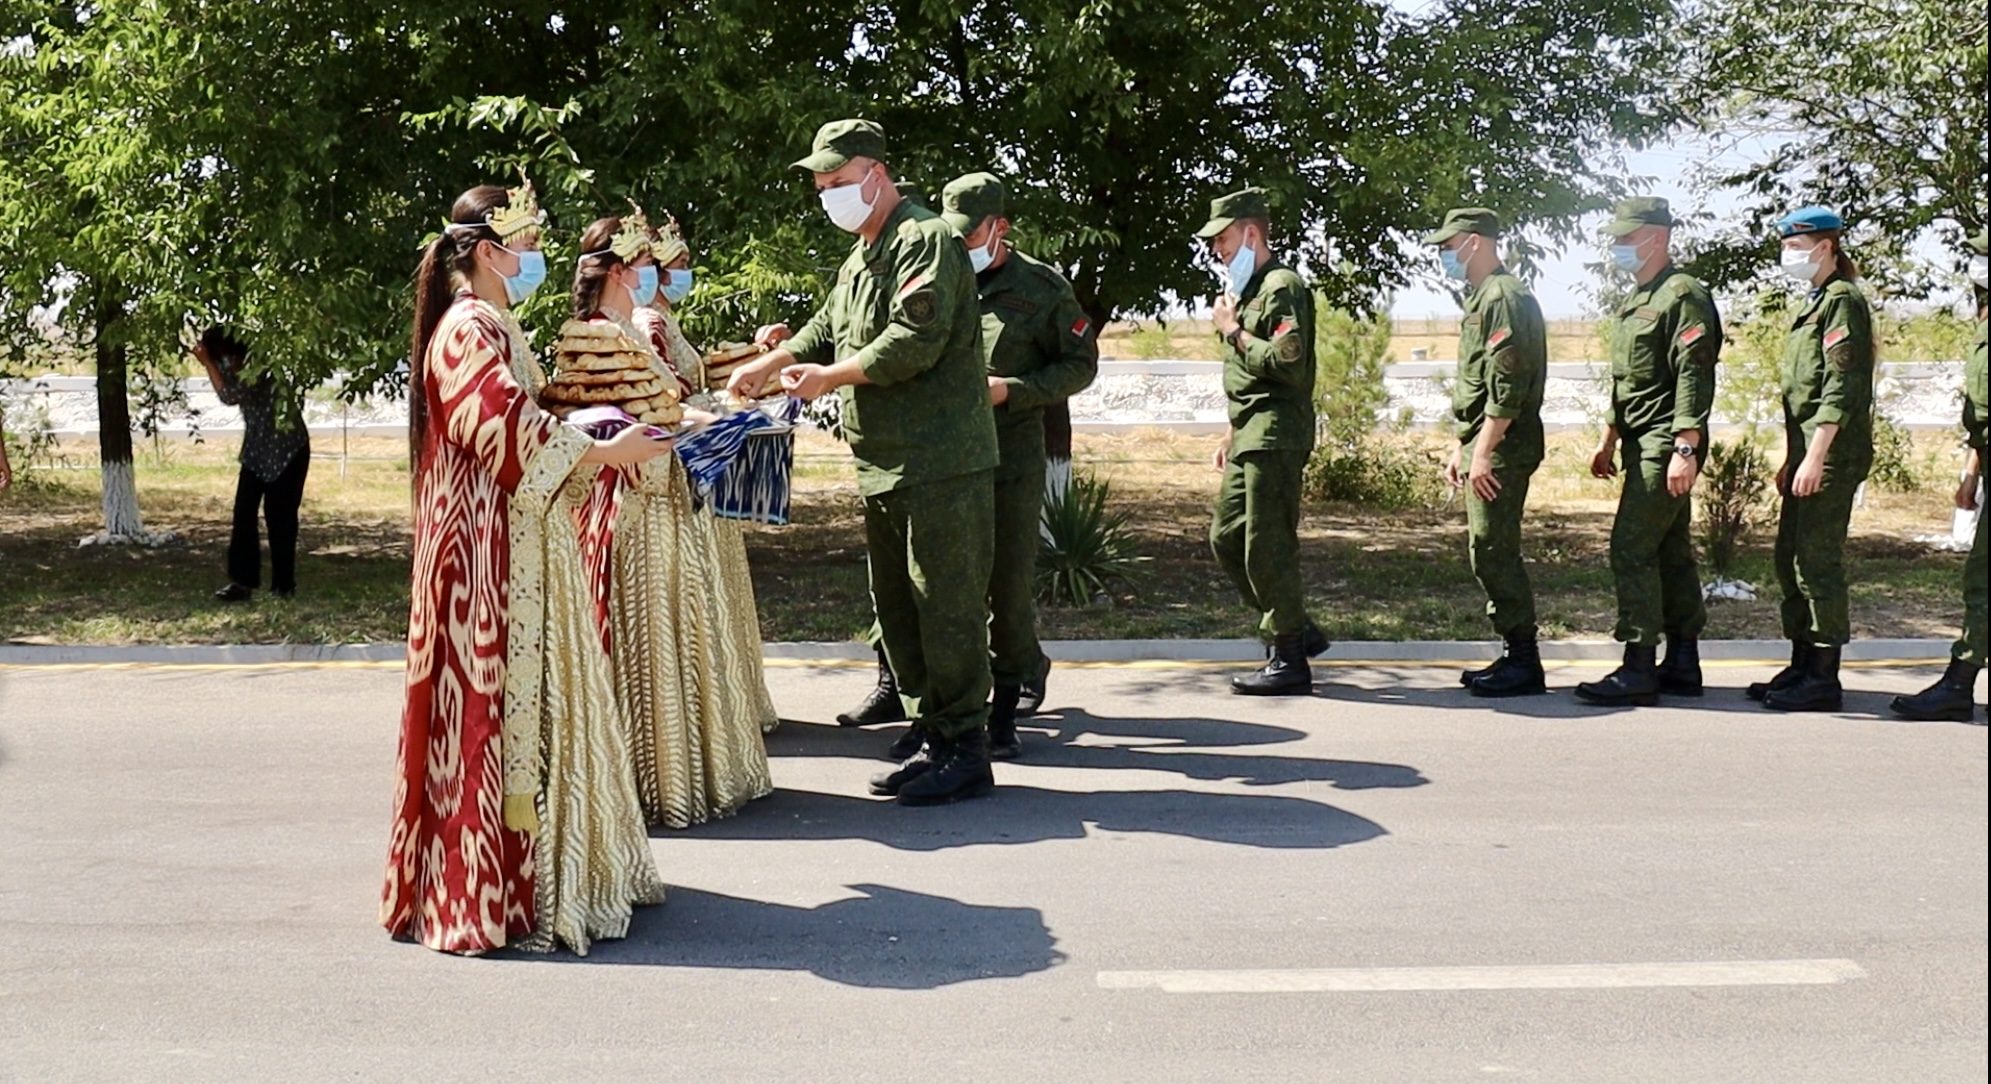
(696, 734)
(516, 821)
(739, 612)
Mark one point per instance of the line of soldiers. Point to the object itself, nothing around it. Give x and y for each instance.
(935, 318)
(1666, 338)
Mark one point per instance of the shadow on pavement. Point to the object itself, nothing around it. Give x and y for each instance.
(1164, 739)
(1017, 815)
(887, 939)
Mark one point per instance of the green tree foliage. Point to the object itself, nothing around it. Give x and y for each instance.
(1875, 107)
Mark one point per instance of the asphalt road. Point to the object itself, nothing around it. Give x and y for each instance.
(1386, 882)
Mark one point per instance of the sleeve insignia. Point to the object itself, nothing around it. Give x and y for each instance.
(1692, 335)
(919, 307)
(1288, 347)
(1494, 340)
(1835, 336)
(1080, 327)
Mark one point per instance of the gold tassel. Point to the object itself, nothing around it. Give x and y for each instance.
(521, 813)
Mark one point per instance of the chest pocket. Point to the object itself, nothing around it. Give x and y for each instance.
(1641, 352)
(867, 301)
(1804, 366)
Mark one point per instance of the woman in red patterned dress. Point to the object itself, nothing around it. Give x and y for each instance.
(515, 819)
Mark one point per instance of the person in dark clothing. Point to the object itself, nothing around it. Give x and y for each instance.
(276, 457)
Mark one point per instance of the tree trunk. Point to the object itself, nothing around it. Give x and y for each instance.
(122, 522)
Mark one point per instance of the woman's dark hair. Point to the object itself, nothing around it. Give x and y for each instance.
(223, 346)
(1842, 263)
(597, 262)
(448, 257)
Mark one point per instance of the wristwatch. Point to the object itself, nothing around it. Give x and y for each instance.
(1688, 450)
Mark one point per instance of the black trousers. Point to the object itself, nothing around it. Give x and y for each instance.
(279, 501)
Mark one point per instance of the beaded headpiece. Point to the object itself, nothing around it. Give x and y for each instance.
(519, 214)
(631, 241)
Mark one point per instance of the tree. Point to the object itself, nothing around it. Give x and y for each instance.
(1874, 107)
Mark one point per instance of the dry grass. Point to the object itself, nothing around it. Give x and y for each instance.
(1370, 575)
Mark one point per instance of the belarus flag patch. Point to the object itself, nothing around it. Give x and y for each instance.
(1836, 336)
(1080, 327)
(1284, 327)
(1498, 337)
(1692, 335)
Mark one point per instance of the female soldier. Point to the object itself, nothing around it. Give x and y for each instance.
(1828, 449)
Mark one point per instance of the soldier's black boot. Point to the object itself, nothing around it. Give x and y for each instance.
(1032, 700)
(1517, 673)
(960, 771)
(907, 744)
(1787, 677)
(1314, 641)
(1003, 742)
(918, 763)
(882, 705)
(1680, 674)
(1286, 673)
(1634, 683)
(1467, 677)
(1947, 701)
(1817, 690)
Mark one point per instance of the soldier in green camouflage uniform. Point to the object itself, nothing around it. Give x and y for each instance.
(900, 335)
(1041, 350)
(1266, 323)
(1497, 408)
(1950, 698)
(1828, 375)
(1664, 344)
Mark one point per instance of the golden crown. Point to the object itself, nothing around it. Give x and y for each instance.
(521, 212)
(631, 240)
(669, 243)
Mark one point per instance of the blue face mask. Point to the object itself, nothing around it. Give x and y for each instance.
(646, 286)
(1241, 266)
(679, 286)
(1626, 257)
(531, 272)
(1455, 268)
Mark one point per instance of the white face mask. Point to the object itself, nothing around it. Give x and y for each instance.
(982, 257)
(1979, 268)
(1801, 263)
(846, 205)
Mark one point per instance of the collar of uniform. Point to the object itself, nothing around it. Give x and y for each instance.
(899, 214)
(1641, 294)
(1258, 279)
(1478, 292)
(998, 279)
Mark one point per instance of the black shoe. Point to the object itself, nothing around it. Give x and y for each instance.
(1947, 701)
(1680, 674)
(1517, 673)
(882, 705)
(961, 771)
(907, 744)
(1467, 677)
(235, 592)
(1634, 683)
(1032, 700)
(888, 784)
(1003, 742)
(1314, 642)
(1817, 690)
(1285, 674)
(284, 592)
(1787, 677)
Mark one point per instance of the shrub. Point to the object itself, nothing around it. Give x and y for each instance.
(1375, 473)
(1734, 486)
(1085, 546)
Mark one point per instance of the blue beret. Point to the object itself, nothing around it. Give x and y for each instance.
(1809, 220)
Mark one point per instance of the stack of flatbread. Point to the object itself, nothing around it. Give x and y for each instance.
(597, 364)
(724, 360)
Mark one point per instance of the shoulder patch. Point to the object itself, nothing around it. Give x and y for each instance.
(1288, 348)
(1494, 340)
(912, 284)
(919, 307)
(1286, 327)
(1080, 327)
(1835, 336)
(1692, 335)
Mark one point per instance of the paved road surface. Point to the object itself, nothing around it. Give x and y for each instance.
(1386, 882)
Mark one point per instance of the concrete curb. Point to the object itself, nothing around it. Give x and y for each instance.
(1071, 651)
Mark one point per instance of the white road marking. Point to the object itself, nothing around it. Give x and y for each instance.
(1361, 980)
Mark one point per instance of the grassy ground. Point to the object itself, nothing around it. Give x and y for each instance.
(1398, 575)
(1194, 340)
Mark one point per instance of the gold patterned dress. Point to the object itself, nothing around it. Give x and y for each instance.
(739, 613)
(696, 742)
(516, 822)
